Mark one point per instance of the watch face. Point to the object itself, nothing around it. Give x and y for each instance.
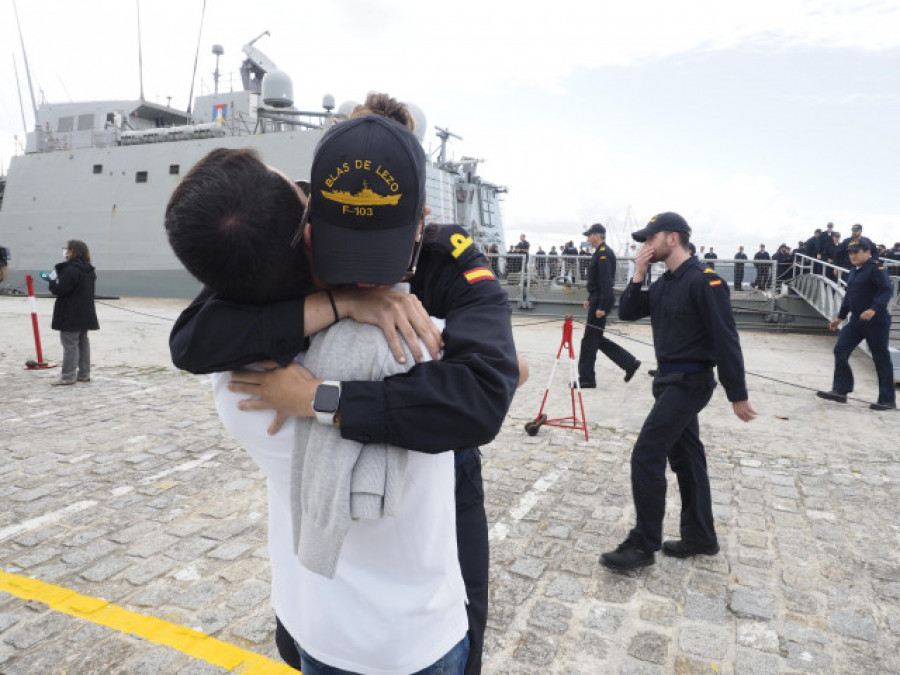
(327, 397)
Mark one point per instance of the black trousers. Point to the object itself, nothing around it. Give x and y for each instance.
(672, 432)
(738, 276)
(472, 549)
(593, 341)
(876, 333)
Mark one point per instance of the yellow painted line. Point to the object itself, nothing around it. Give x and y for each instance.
(186, 640)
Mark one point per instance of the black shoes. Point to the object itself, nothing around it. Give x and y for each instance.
(832, 396)
(629, 372)
(842, 398)
(587, 385)
(627, 557)
(678, 548)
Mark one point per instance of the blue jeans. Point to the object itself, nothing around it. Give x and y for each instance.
(451, 663)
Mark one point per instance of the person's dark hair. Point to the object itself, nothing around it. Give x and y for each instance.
(231, 222)
(685, 240)
(79, 250)
(383, 104)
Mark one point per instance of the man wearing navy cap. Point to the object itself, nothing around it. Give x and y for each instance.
(693, 332)
(601, 298)
(868, 293)
(841, 254)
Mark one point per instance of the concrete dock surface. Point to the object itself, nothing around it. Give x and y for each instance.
(125, 497)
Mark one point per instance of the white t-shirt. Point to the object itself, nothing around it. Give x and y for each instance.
(397, 601)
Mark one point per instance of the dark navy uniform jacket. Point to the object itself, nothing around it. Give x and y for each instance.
(811, 247)
(601, 275)
(841, 256)
(456, 403)
(868, 287)
(692, 321)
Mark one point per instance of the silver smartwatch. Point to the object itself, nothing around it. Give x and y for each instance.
(326, 402)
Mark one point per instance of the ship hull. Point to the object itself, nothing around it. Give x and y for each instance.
(114, 200)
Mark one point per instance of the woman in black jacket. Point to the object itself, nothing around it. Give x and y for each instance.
(74, 313)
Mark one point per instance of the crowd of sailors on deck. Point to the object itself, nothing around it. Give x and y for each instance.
(773, 269)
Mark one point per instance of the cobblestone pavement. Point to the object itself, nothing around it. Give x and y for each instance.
(127, 489)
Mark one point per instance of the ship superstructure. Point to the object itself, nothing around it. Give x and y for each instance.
(103, 171)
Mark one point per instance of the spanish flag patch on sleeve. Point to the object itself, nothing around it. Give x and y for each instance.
(715, 282)
(478, 274)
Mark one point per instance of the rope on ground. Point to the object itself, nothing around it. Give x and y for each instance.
(134, 311)
(650, 344)
(17, 291)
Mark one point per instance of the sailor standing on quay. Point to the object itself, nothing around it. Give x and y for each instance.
(868, 293)
(693, 331)
(601, 299)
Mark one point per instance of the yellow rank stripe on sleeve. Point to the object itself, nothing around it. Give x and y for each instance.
(708, 270)
(478, 274)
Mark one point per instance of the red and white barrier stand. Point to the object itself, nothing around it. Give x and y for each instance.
(573, 421)
(40, 364)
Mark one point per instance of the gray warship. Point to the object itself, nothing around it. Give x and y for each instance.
(103, 171)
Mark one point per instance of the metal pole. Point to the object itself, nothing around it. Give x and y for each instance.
(37, 335)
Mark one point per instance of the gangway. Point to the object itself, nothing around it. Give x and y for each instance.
(823, 286)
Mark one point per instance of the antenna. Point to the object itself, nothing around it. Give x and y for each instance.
(140, 50)
(19, 92)
(218, 50)
(27, 70)
(63, 85)
(444, 134)
(196, 56)
(251, 43)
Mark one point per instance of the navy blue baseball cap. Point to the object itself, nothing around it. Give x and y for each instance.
(596, 228)
(662, 222)
(860, 244)
(367, 197)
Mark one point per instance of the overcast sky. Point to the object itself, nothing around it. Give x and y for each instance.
(758, 121)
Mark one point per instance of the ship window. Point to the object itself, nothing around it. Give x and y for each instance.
(174, 169)
(65, 123)
(86, 122)
(98, 168)
(140, 177)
